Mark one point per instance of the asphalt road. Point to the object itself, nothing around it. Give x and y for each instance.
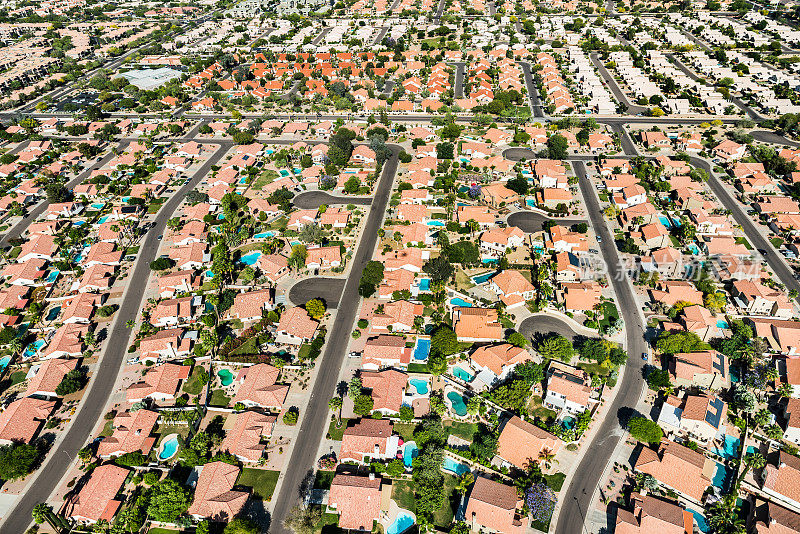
(749, 227)
(546, 324)
(519, 153)
(94, 401)
(314, 199)
(328, 289)
(577, 496)
(533, 221)
(612, 84)
(533, 91)
(18, 229)
(314, 422)
(458, 85)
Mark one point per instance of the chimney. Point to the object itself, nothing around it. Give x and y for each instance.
(372, 476)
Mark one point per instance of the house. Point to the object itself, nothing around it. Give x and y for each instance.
(672, 291)
(568, 267)
(319, 258)
(258, 387)
(249, 306)
(174, 312)
(169, 344)
(97, 498)
(21, 420)
(131, 432)
(244, 439)
(67, 341)
(49, 375)
(492, 507)
(757, 299)
(498, 240)
(386, 388)
(580, 297)
(295, 327)
(771, 518)
(385, 350)
(521, 443)
(568, 388)
(477, 324)
(397, 316)
(496, 362)
(706, 369)
(367, 440)
(497, 195)
(512, 287)
(160, 383)
(653, 514)
(729, 151)
(357, 500)
(214, 496)
(779, 478)
(698, 417)
(677, 468)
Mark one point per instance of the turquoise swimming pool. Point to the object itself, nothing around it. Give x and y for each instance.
(251, 258)
(462, 374)
(458, 403)
(263, 235)
(33, 348)
(730, 447)
(422, 348)
(410, 451)
(482, 278)
(168, 448)
(436, 223)
(702, 524)
(458, 301)
(448, 464)
(425, 284)
(402, 522)
(225, 376)
(420, 385)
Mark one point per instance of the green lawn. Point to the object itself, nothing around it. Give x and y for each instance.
(323, 479)
(336, 433)
(266, 177)
(594, 368)
(193, 385)
(405, 430)
(218, 398)
(418, 368)
(444, 515)
(461, 429)
(555, 481)
(610, 313)
(776, 242)
(403, 494)
(17, 377)
(160, 530)
(745, 242)
(305, 349)
(248, 347)
(262, 482)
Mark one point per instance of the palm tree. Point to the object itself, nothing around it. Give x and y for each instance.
(335, 404)
(464, 482)
(724, 517)
(547, 457)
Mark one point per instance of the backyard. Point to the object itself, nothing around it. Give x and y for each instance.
(261, 481)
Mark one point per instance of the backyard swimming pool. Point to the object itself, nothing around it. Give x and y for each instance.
(425, 284)
(458, 301)
(33, 348)
(482, 278)
(402, 522)
(730, 447)
(722, 323)
(420, 385)
(410, 451)
(457, 403)
(251, 258)
(53, 314)
(263, 235)
(462, 374)
(702, 524)
(448, 464)
(436, 223)
(225, 376)
(4, 362)
(422, 348)
(169, 448)
(722, 477)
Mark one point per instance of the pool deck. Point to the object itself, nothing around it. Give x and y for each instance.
(390, 509)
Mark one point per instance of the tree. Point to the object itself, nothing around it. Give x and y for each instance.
(363, 404)
(73, 381)
(406, 413)
(556, 347)
(241, 526)
(303, 520)
(517, 339)
(40, 513)
(297, 258)
(352, 185)
(161, 264)
(395, 468)
(444, 341)
(715, 301)
(645, 430)
(557, 146)
(168, 501)
(56, 193)
(335, 404)
(371, 276)
(439, 269)
(484, 444)
(676, 342)
(17, 460)
(315, 308)
(444, 151)
(658, 379)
